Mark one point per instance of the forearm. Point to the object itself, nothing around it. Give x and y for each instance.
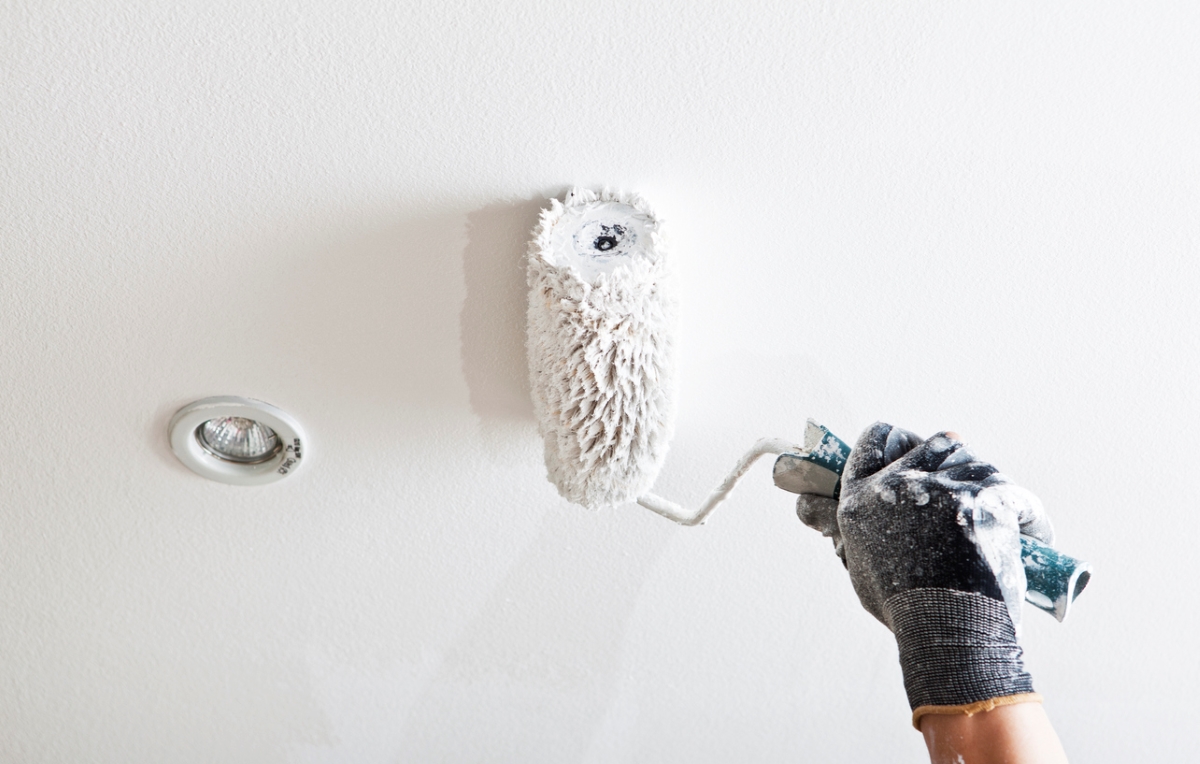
(1017, 734)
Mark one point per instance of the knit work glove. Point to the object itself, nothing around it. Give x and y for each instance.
(931, 537)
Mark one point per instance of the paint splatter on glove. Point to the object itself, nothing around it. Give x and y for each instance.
(931, 537)
(820, 513)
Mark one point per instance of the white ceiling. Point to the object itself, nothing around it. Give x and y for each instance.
(972, 216)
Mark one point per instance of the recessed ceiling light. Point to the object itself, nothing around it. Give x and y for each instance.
(237, 440)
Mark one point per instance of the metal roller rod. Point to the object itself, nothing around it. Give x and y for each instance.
(673, 511)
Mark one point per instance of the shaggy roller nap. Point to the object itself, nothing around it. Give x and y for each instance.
(601, 327)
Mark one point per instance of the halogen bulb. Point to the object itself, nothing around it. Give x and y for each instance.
(238, 439)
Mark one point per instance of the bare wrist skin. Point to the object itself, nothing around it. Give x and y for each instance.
(1013, 734)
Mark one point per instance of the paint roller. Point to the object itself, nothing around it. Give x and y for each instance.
(600, 338)
(601, 327)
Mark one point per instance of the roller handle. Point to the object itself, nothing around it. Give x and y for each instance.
(1053, 579)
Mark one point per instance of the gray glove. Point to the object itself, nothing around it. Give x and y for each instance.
(931, 537)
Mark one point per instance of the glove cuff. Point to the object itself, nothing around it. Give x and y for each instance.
(957, 649)
(973, 708)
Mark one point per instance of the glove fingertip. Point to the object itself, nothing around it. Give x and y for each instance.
(867, 456)
(899, 442)
(929, 455)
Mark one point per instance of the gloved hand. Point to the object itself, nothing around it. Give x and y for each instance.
(931, 537)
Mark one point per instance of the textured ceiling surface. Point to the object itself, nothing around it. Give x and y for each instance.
(972, 216)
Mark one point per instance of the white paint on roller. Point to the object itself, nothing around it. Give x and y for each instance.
(598, 236)
(601, 325)
(601, 354)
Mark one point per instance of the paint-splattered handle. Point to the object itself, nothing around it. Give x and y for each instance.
(1054, 579)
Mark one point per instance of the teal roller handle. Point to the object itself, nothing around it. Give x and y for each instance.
(1053, 579)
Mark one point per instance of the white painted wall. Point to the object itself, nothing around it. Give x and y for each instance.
(981, 216)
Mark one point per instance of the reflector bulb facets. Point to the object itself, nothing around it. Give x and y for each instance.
(238, 439)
